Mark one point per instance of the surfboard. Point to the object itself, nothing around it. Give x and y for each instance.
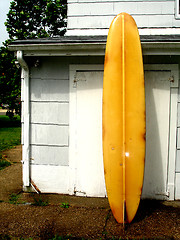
(123, 118)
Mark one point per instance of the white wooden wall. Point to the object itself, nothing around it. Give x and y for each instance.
(94, 16)
(54, 167)
(49, 118)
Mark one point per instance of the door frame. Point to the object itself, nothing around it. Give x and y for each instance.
(170, 184)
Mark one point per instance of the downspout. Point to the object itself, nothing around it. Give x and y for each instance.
(26, 116)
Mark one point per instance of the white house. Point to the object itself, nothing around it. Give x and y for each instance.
(62, 99)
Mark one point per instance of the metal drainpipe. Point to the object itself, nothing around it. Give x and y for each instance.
(26, 117)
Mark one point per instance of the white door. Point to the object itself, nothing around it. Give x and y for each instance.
(89, 173)
(86, 162)
(89, 135)
(159, 117)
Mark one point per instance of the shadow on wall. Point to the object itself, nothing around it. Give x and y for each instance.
(157, 134)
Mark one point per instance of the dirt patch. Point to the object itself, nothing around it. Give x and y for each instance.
(11, 177)
(88, 218)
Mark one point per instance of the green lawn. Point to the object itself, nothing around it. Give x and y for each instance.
(10, 132)
(10, 136)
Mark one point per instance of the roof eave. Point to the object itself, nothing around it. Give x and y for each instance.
(90, 49)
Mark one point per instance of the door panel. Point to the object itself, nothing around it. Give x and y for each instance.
(157, 88)
(90, 175)
(86, 132)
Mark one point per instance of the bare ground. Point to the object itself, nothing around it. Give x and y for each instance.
(88, 218)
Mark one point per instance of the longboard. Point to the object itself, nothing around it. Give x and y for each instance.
(123, 118)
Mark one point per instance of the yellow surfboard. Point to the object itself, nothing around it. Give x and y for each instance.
(123, 118)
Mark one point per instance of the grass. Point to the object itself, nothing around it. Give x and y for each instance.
(10, 136)
(13, 198)
(10, 132)
(3, 162)
(39, 201)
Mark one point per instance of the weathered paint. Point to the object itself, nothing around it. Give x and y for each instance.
(49, 119)
(85, 147)
(85, 17)
(48, 159)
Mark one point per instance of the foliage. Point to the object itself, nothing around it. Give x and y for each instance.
(5, 237)
(38, 201)
(27, 19)
(13, 198)
(10, 84)
(65, 205)
(68, 237)
(36, 19)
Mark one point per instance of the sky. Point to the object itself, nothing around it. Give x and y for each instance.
(4, 9)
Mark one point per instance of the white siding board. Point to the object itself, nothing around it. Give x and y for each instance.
(178, 161)
(178, 138)
(178, 113)
(141, 8)
(51, 179)
(44, 155)
(52, 135)
(45, 90)
(177, 190)
(103, 22)
(50, 112)
(88, 1)
(90, 22)
(86, 9)
(50, 69)
(98, 14)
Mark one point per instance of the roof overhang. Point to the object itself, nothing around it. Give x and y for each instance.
(93, 46)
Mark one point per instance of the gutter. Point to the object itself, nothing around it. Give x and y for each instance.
(26, 115)
(90, 49)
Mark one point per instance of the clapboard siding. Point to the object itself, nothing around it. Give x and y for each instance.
(48, 155)
(51, 179)
(49, 90)
(50, 69)
(101, 22)
(83, 15)
(178, 141)
(50, 113)
(177, 183)
(178, 161)
(52, 135)
(86, 1)
(110, 8)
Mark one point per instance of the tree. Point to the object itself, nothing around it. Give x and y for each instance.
(27, 19)
(10, 84)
